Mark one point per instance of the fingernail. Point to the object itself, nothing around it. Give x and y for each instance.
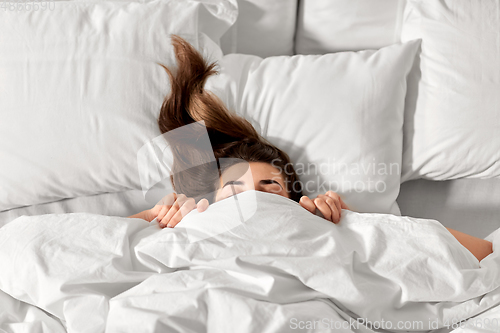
(169, 226)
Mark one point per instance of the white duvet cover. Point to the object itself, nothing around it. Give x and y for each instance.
(255, 262)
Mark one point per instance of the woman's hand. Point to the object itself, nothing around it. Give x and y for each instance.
(329, 204)
(173, 207)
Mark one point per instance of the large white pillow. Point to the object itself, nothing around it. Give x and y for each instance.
(263, 28)
(80, 91)
(325, 26)
(339, 116)
(452, 122)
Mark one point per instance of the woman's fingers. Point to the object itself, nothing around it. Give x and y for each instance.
(329, 204)
(187, 207)
(172, 208)
(161, 214)
(202, 205)
(323, 208)
(308, 204)
(164, 222)
(335, 208)
(181, 207)
(161, 208)
(334, 203)
(336, 198)
(330, 213)
(327, 209)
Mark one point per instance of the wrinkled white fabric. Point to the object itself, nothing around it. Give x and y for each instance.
(253, 262)
(17, 316)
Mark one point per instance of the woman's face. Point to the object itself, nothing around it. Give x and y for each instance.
(257, 176)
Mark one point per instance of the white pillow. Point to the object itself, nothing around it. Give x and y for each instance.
(264, 28)
(452, 121)
(325, 26)
(333, 114)
(80, 91)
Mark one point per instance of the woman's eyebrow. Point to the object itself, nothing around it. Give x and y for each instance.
(270, 181)
(233, 182)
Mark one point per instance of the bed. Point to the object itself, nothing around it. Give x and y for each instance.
(413, 84)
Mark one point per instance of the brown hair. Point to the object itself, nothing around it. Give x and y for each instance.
(231, 136)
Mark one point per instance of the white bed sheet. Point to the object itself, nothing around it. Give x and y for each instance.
(17, 316)
(486, 322)
(468, 205)
(282, 261)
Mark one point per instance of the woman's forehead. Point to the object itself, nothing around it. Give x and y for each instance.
(236, 171)
(251, 169)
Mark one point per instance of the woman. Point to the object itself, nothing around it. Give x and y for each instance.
(233, 140)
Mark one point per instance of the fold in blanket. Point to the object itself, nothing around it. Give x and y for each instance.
(256, 262)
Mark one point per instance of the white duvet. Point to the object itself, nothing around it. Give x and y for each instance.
(255, 262)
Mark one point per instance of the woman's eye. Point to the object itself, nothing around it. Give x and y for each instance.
(230, 190)
(273, 188)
